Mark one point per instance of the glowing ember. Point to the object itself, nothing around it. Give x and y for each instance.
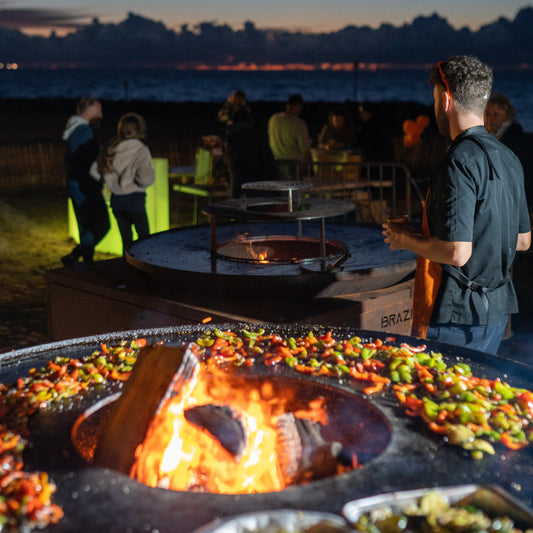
(179, 455)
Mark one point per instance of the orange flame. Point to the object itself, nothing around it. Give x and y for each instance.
(261, 257)
(178, 455)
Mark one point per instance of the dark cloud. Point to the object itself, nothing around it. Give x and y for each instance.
(139, 42)
(18, 18)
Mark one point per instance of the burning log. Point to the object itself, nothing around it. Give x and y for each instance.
(160, 372)
(302, 452)
(223, 423)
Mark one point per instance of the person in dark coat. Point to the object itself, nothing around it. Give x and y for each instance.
(248, 155)
(86, 194)
(236, 102)
(501, 121)
(375, 136)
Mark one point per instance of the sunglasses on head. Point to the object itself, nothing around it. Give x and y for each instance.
(440, 67)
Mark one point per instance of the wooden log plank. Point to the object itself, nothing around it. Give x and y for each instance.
(158, 374)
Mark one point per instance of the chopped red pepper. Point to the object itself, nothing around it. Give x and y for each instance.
(441, 429)
(373, 389)
(139, 343)
(274, 360)
(512, 444)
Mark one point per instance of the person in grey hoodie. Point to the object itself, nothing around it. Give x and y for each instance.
(125, 165)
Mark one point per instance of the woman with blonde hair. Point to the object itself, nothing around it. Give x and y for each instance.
(125, 165)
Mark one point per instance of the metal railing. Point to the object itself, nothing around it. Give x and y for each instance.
(377, 189)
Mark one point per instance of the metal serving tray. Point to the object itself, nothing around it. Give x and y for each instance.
(491, 499)
(282, 520)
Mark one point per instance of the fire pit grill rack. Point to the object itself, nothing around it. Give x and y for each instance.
(96, 499)
(277, 209)
(279, 186)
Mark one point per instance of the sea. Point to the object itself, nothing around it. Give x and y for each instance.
(171, 85)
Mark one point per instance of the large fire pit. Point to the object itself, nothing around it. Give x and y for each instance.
(273, 238)
(98, 499)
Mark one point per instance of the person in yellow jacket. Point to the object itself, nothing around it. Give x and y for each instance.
(475, 219)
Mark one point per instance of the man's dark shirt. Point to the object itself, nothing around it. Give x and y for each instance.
(467, 203)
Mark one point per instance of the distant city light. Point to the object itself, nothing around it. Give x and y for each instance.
(9, 66)
(299, 66)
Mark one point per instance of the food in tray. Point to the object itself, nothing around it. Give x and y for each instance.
(319, 527)
(433, 512)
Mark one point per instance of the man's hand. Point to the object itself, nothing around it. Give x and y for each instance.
(403, 237)
(397, 235)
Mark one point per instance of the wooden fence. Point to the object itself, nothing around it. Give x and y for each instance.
(41, 165)
(31, 166)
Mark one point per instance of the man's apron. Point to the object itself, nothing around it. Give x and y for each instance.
(427, 282)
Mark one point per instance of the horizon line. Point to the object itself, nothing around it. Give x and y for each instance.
(353, 66)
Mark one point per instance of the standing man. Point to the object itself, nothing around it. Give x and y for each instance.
(287, 133)
(475, 219)
(85, 192)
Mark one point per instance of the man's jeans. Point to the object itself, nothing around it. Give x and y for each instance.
(483, 338)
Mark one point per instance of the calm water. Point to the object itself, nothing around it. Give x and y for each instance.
(215, 86)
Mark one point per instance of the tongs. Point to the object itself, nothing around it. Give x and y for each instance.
(336, 265)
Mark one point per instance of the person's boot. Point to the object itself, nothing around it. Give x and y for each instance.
(70, 260)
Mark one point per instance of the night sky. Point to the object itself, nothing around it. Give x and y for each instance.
(38, 16)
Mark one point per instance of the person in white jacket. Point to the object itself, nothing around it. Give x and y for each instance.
(125, 165)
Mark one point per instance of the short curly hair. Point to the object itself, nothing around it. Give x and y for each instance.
(469, 81)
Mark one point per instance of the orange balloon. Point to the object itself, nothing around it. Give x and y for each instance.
(422, 121)
(411, 139)
(410, 126)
